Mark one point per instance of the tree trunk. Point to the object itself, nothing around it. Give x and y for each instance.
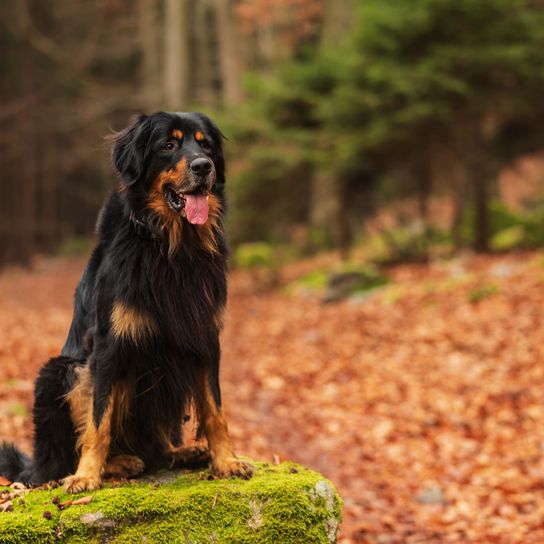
(424, 173)
(228, 52)
(344, 234)
(205, 45)
(478, 177)
(27, 175)
(328, 198)
(176, 54)
(457, 175)
(324, 203)
(149, 44)
(481, 207)
(337, 20)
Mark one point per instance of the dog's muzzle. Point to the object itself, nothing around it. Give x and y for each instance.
(192, 201)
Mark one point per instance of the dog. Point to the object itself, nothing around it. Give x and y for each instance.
(143, 345)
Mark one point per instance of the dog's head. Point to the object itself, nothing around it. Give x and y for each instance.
(172, 169)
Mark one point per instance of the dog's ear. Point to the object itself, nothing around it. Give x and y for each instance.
(129, 149)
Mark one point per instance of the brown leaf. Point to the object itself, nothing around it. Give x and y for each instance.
(6, 507)
(4, 481)
(83, 500)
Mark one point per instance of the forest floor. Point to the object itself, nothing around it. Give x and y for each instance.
(423, 401)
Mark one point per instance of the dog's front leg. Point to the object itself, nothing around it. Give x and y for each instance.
(224, 461)
(94, 442)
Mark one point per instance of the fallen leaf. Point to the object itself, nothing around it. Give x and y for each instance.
(83, 500)
(6, 507)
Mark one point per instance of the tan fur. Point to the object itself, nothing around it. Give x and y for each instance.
(207, 232)
(124, 466)
(80, 400)
(190, 455)
(199, 136)
(172, 222)
(185, 455)
(93, 443)
(168, 220)
(219, 318)
(224, 461)
(127, 322)
(177, 134)
(121, 406)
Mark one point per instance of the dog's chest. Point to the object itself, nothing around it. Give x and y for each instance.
(191, 295)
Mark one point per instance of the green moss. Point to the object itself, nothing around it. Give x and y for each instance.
(280, 504)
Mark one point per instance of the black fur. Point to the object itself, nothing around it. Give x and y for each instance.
(14, 464)
(183, 291)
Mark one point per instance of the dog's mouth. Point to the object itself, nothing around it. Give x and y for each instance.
(193, 205)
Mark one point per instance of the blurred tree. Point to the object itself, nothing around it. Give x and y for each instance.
(56, 106)
(149, 38)
(349, 104)
(176, 54)
(229, 55)
(436, 74)
(416, 97)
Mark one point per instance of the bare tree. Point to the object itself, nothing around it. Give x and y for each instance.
(228, 53)
(148, 29)
(176, 54)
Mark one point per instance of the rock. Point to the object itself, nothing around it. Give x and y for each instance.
(280, 504)
(344, 284)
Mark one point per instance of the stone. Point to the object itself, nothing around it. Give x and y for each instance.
(284, 504)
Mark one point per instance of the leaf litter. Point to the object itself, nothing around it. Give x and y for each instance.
(423, 404)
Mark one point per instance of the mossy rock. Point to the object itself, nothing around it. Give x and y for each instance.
(280, 504)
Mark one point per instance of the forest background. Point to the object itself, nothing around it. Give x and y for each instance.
(332, 109)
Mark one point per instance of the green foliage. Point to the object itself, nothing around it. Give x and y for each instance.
(412, 81)
(508, 229)
(334, 284)
(256, 254)
(412, 242)
(509, 238)
(315, 280)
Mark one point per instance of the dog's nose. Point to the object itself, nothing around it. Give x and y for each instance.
(201, 166)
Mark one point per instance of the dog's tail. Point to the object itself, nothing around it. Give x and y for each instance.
(14, 464)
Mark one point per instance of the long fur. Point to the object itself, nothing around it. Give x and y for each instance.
(147, 311)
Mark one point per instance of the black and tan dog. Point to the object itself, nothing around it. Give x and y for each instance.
(144, 340)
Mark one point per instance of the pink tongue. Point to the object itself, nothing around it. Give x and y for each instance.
(196, 209)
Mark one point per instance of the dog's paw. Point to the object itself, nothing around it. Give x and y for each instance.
(78, 484)
(190, 457)
(230, 467)
(124, 466)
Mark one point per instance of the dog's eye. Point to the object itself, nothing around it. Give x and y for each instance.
(205, 145)
(170, 146)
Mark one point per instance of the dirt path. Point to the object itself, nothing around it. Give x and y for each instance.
(424, 404)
